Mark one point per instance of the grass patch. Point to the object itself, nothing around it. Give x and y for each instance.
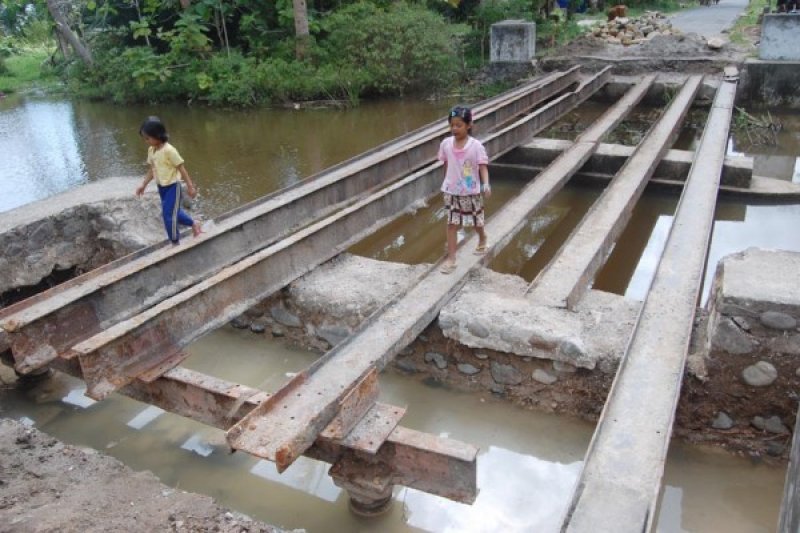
(25, 70)
(747, 23)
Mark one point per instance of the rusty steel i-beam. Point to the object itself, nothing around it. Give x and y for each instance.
(155, 337)
(46, 325)
(281, 430)
(621, 478)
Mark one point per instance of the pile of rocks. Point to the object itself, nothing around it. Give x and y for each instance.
(628, 31)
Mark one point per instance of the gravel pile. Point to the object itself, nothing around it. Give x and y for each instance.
(629, 31)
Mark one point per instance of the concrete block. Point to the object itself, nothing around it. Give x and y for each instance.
(512, 41)
(780, 37)
(770, 83)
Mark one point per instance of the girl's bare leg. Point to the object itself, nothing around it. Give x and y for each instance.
(481, 236)
(452, 242)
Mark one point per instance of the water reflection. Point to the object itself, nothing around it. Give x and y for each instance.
(39, 151)
(528, 463)
(518, 493)
(49, 145)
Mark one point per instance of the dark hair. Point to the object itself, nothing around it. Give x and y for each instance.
(154, 128)
(464, 113)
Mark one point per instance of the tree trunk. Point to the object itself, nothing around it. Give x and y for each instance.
(62, 27)
(300, 28)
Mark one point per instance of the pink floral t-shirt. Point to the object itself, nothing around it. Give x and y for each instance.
(462, 177)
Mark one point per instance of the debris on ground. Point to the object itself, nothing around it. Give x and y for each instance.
(629, 31)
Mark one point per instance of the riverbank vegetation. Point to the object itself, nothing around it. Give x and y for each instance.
(248, 52)
(251, 52)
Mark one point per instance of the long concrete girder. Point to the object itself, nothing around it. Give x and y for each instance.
(281, 430)
(436, 465)
(565, 279)
(150, 342)
(621, 478)
(46, 325)
(737, 171)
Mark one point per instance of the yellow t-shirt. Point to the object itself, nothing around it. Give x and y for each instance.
(165, 162)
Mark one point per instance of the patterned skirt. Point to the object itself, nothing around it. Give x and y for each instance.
(464, 210)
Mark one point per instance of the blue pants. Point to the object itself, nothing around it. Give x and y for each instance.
(174, 216)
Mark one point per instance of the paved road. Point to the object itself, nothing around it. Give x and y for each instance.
(709, 21)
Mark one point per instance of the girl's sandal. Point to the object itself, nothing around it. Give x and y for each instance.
(447, 268)
(481, 250)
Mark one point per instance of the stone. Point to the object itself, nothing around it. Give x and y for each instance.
(477, 328)
(278, 331)
(772, 424)
(333, 334)
(715, 43)
(406, 366)
(797, 372)
(722, 421)
(408, 350)
(786, 344)
(258, 326)
(482, 356)
(543, 376)
(497, 389)
(729, 338)
(775, 449)
(572, 350)
(506, 374)
(564, 368)
(777, 320)
(760, 374)
(240, 322)
(446, 322)
(437, 359)
(742, 322)
(468, 369)
(284, 317)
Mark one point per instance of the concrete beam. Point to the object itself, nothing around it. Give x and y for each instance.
(621, 478)
(568, 275)
(737, 171)
(281, 431)
(46, 325)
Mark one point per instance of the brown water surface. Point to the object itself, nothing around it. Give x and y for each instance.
(527, 467)
(529, 461)
(49, 145)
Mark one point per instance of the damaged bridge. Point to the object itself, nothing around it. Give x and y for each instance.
(124, 327)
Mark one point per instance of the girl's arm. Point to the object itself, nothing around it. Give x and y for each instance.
(486, 189)
(190, 188)
(147, 178)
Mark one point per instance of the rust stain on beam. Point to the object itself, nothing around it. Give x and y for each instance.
(211, 303)
(436, 465)
(286, 432)
(44, 326)
(622, 475)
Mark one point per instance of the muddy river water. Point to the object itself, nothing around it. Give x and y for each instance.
(529, 461)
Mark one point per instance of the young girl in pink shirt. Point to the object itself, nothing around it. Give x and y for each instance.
(466, 177)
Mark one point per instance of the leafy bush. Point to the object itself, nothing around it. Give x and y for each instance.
(401, 49)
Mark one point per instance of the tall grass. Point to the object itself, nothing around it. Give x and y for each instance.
(748, 22)
(25, 69)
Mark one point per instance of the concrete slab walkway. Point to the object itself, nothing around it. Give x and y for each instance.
(709, 21)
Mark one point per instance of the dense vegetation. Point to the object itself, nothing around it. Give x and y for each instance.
(246, 52)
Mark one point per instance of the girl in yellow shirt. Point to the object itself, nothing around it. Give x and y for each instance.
(166, 164)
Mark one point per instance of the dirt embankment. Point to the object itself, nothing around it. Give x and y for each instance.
(660, 51)
(46, 485)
